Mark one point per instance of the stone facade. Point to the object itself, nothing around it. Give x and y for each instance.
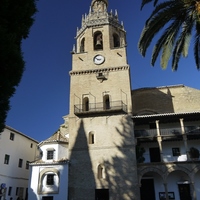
(109, 123)
(169, 99)
(101, 139)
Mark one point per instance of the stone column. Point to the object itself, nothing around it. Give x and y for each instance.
(192, 189)
(184, 137)
(166, 191)
(159, 139)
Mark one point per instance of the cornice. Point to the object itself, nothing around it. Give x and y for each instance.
(95, 71)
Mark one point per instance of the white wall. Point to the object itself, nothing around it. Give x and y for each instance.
(19, 148)
(61, 190)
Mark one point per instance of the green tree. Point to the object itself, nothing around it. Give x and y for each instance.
(180, 20)
(16, 18)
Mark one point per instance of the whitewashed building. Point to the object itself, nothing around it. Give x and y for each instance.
(49, 174)
(16, 151)
(167, 130)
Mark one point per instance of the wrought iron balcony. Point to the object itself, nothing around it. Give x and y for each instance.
(114, 107)
(192, 132)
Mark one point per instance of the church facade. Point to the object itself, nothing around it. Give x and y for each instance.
(124, 144)
(101, 138)
(118, 143)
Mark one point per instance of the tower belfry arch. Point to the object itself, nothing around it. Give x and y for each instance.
(100, 90)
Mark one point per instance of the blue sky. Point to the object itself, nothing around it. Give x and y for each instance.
(42, 97)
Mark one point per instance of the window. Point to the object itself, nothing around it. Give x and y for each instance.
(116, 40)
(17, 191)
(50, 154)
(91, 137)
(31, 145)
(9, 191)
(26, 194)
(47, 198)
(98, 41)
(82, 47)
(12, 136)
(100, 172)
(20, 163)
(50, 179)
(106, 102)
(85, 104)
(27, 164)
(6, 159)
(176, 151)
(152, 125)
(102, 194)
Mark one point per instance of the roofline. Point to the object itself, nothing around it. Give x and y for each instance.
(52, 142)
(163, 114)
(66, 161)
(12, 129)
(160, 87)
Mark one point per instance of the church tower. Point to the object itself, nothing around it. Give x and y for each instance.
(101, 138)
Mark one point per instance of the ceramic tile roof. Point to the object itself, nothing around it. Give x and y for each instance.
(42, 162)
(164, 114)
(56, 137)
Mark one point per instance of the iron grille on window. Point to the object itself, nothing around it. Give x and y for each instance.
(50, 179)
(50, 155)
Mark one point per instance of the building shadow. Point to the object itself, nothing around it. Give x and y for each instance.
(121, 169)
(81, 177)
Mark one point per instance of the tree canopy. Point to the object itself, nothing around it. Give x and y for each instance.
(180, 20)
(16, 18)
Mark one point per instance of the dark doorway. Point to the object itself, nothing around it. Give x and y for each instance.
(47, 198)
(147, 189)
(154, 154)
(184, 191)
(101, 194)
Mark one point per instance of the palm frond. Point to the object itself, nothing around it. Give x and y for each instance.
(186, 45)
(197, 46)
(182, 42)
(168, 36)
(162, 6)
(154, 25)
(166, 54)
(144, 2)
(178, 50)
(197, 51)
(187, 27)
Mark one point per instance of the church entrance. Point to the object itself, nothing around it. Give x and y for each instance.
(101, 194)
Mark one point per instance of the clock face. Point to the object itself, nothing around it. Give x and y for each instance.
(99, 59)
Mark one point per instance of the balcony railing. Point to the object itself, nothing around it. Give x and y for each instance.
(100, 108)
(170, 133)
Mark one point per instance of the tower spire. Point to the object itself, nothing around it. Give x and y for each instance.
(105, 1)
(98, 3)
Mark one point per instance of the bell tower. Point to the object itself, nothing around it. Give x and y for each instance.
(101, 138)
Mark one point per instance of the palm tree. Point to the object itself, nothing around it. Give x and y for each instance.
(147, 1)
(181, 20)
